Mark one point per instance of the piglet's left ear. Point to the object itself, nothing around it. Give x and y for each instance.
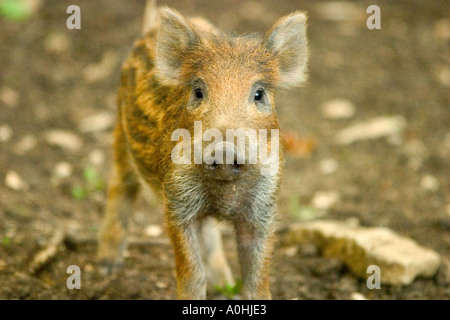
(287, 39)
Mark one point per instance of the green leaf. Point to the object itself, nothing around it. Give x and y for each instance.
(79, 193)
(299, 212)
(90, 175)
(229, 290)
(6, 241)
(93, 179)
(17, 10)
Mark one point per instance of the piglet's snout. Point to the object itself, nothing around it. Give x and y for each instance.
(224, 161)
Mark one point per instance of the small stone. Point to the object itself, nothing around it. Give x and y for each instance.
(26, 144)
(443, 75)
(63, 170)
(2, 264)
(57, 42)
(95, 72)
(96, 157)
(357, 296)
(63, 139)
(9, 97)
(380, 127)
(338, 109)
(429, 183)
(325, 199)
(291, 251)
(5, 133)
(153, 230)
(328, 166)
(89, 268)
(14, 181)
(98, 122)
(161, 285)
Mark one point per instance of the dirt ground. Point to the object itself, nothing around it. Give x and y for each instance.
(54, 78)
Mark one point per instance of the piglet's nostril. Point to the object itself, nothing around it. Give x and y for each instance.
(219, 169)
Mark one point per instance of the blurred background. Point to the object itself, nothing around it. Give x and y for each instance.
(368, 141)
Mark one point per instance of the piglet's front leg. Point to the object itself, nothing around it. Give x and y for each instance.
(254, 241)
(190, 271)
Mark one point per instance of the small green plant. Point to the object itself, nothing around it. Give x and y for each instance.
(92, 183)
(230, 291)
(16, 10)
(6, 241)
(300, 212)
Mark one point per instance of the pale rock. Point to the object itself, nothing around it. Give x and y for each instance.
(400, 259)
(325, 199)
(96, 157)
(5, 133)
(338, 109)
(98, 122)
(95, 72)
(9, 97)
(429, 183)
(89, 267)
(63, 170)
(14, 181)
(26, 144)
(161, 285)
(380, 127)
(442, 73)
(63, 139)
(57, 42)
(291, 251)
(328, 166)
(357, 296)
(153, 230)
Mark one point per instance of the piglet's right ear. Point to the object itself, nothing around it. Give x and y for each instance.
(175, 38)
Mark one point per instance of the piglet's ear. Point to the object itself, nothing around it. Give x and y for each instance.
(175, 38)
(287, 39)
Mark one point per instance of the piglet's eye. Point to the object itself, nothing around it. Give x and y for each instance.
(198, 93)
(259, 94)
